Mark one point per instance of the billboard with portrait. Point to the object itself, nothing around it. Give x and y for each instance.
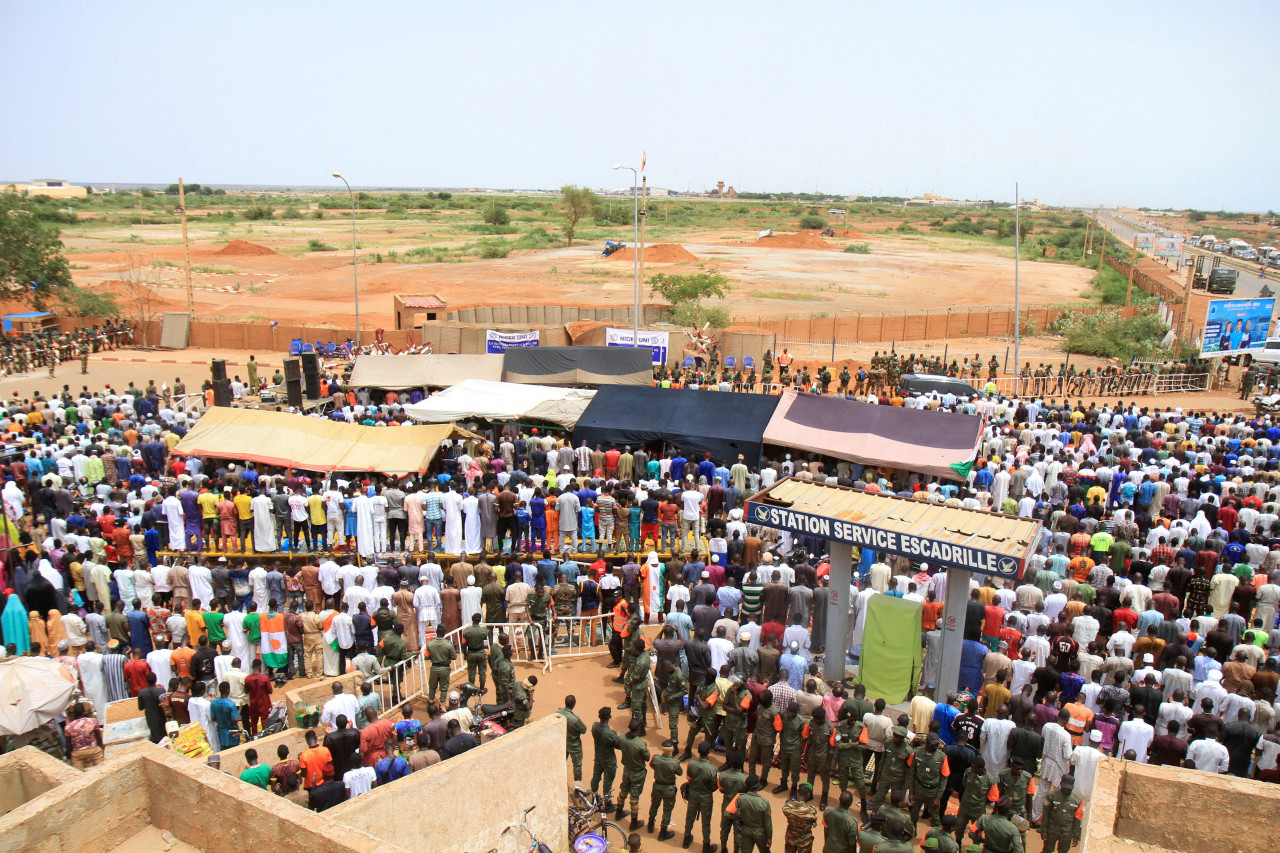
(1233, 326)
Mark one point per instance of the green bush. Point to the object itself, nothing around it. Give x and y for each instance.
(496, 214)
(858, 248)
(907, 228)
(494, 251)
(258, 211)
(690, 314)
(1107, 334)
(314, 245)
(812, 221)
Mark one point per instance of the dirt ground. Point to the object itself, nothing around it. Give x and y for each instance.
(902, 273)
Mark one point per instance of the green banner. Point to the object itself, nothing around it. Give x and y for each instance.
(890, 654)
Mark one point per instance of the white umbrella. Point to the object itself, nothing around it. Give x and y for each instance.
(32, 692)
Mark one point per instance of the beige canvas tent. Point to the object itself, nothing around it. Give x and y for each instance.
(314, 444)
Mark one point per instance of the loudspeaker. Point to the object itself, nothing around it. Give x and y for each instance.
(219, 368)
(293, 382)
(311, 375)
(222, 392)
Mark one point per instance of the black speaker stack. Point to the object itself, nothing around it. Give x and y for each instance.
(221, 384)
(311, 375)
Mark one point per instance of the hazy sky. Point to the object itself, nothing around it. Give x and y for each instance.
(1136, 103)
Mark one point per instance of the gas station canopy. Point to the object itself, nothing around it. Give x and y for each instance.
(982, 542)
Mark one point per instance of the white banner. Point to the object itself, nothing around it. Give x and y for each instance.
(657, 342)
(499, 342)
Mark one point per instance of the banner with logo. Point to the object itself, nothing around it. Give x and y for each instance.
(1234, 326)
(1167, 247)
(657, 342)
(1144, 241)
(500, 342)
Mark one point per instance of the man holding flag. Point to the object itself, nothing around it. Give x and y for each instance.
(274, 644)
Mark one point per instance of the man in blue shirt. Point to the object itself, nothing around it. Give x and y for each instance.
(225, 715)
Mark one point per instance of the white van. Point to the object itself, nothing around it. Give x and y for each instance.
(1270, 352)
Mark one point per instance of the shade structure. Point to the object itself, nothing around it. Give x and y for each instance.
(891, 436)
(503, 401)
(397, 372)
(32, 692)
(314, 444)
(697, 422)
(579, 366)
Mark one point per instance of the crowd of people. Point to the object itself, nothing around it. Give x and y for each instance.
(48, 347)
(1144, 626)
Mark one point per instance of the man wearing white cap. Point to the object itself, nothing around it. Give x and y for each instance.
(1148, 668)
(1212, 690)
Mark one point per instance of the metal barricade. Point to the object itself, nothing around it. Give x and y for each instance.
(578, 636)
(401, 682)
(529, 641)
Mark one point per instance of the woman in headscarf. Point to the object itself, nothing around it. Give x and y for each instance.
(53, 630)
(35, 627)
(41, 594)
(1200, 525)
(14, 500)
(14, 622)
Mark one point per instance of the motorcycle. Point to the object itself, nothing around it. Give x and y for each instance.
(491, 719)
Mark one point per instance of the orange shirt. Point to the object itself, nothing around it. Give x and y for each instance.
(180, 660)
(929, 616)
(313, 762)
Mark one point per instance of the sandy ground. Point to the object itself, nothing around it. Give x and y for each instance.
(151, 839)
(902, 273)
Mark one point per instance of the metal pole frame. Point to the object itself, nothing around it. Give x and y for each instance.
(355, 262)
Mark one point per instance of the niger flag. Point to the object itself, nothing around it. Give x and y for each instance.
(330, 635)
(274, 647)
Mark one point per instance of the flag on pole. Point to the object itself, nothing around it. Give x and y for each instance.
(275, 646)
(329, 633)
(643, 156)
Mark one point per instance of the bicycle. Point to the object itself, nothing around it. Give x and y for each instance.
(589, 829)
(537, 846)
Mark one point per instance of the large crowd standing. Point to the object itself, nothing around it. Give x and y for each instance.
(1144, 627)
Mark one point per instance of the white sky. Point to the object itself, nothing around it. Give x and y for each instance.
(1083, 103)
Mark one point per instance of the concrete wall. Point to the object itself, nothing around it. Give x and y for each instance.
(96, 811)
(1175, 809)
(27, 773)
(475, 796)
(554, 315)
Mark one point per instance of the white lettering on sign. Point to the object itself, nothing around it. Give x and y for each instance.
(908, 545)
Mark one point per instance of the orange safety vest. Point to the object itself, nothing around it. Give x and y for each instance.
(620, 616)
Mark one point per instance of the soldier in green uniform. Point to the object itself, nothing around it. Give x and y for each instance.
(673, 696)
(666, 770)
(564, 599)
(504, 672)
(978, 789)
(1014, 782)
(801, 819)
(896, 769)
(929, 772)
(896, 811)
(996, 832)
(790, 749)
(638, 681)
(841, 827)
(474, 638)
(942, 838)
(539, 605)
(1060, 823)
(732, 782)
(754, 818)
(442, 653)
(391, 650)
(84, 358)
(701, 707)
(734, 735)
(522, 700)
(635, 758)
(764, 738)
(819, 736)
(993, 369)
(845, 376)
(573, 735)
(702, 788)
(604, 764)
(873, 833)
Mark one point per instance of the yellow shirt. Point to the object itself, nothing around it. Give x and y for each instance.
(315, 504)
(242, 502)
(208, 502)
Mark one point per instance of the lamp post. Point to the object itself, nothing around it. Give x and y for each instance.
(635, 253)
(355, 265)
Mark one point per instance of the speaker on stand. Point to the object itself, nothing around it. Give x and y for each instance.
(293, 382)
(311, 375)
(221, 385)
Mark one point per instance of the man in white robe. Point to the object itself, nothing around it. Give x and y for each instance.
(426, 600)
(174, 516)
(264, 523)
(363, 508)
(451, 502)
(258, 590)
(95, 686)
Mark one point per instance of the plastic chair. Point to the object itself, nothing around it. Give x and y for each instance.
(688, 361)
(295, 346)
(748, 363)
(730, 362)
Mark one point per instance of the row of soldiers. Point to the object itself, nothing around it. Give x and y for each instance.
(909, 783)
(47, 348)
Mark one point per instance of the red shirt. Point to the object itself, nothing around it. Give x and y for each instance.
(136, 672)
(258, 686)
(929, 616)
(994, 619)
(1014, 638)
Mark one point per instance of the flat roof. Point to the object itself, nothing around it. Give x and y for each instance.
(423, 301)
(987, 543)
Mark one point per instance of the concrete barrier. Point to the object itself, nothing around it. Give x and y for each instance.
(27, 773)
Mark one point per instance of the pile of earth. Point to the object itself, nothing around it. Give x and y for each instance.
(658, 253)
(802, 240)
(243, 247)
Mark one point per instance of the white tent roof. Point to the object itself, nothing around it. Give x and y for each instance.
(502, 401)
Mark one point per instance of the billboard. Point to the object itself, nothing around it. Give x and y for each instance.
(500, 342)
(1234, 326)
(657, 342)
(1144, 241)
(1167, 247)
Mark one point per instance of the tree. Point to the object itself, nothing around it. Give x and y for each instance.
(32, 266)
(496, 214)
(1197, 216)
(575, 203)
(76, 301)
(686, 292)
(138, 284)
(812, 222)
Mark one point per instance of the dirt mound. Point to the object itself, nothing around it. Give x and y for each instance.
(243, 247)
(658, 253)
(802, 240)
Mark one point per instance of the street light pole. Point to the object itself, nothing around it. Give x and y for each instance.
(635, 254)
(355, 264)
